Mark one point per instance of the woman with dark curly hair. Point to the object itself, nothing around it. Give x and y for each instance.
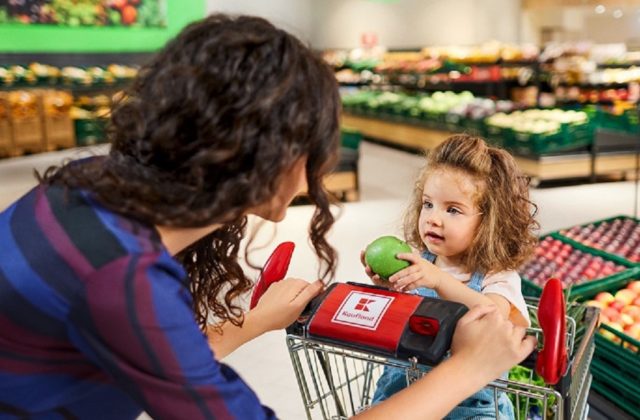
(111, 266)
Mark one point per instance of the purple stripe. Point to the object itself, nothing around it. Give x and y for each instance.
(58, 237)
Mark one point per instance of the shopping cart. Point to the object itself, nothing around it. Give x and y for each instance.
(337, 382)
(337, 376)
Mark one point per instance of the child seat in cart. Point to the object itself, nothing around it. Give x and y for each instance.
(337, 366)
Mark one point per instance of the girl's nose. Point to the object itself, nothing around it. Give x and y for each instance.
(434, 219)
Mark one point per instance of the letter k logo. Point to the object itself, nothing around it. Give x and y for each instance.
(362, 304)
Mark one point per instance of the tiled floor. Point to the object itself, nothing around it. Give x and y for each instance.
(386, 179)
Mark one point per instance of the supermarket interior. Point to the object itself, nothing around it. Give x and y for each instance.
(555, 83)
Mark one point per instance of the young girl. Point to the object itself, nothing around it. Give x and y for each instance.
(471, 220)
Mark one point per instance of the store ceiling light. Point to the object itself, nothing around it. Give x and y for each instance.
(617, 13)
(600, 9)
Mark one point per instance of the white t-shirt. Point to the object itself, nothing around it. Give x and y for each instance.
(505, 283)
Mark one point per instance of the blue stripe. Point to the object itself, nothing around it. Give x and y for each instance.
(40, 255)
(23, 279)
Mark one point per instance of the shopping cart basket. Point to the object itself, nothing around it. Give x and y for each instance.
(337, 372)
(337, 380)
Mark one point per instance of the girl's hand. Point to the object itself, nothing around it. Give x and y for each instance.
(421, 273)
(283, 302)
(375, 279)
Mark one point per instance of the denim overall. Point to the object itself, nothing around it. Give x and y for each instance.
(479, 406)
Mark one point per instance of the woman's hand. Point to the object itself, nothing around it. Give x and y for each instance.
(375, 279)
(421, 273)
(488, 344)
(283, 302)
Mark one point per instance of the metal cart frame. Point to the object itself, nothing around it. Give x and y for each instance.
(338, 382)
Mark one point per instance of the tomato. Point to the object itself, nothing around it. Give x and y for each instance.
(129, 14)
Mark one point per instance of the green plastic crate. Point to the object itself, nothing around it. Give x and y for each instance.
(602, 384)
(497, 136)
(616, 366)
(453, 122)
(615, 257)
(577, 136)
(627, 122)
(475, 127)
(90, 131)
(591, 288)
(350, 138)
(535, 144)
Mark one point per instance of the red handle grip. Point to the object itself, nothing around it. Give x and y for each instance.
(552, 359)
(274, 270)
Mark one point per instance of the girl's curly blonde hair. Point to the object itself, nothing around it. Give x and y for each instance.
(506, 236)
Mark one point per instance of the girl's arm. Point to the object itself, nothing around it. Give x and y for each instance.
(422, 273)
(281, 304)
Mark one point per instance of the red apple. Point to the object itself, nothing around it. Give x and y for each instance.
(611, 313)
(617, 305)
(633, 311)
(633, 331)
(595, 304)
(626, 320)
(635, 286)
(636, 301)
(626, 296)
(605, 297)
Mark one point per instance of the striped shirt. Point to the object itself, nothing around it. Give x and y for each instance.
(96, 320)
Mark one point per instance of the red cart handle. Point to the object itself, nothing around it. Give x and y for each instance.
(552, 359)
(274, 270)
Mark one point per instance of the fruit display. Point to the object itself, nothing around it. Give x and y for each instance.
(554, 258)
(620, 310)
(380, 256)
(538, 121)
(620, 236)
(56, 102)
(37, 74)
(147, 13)
(23, 104)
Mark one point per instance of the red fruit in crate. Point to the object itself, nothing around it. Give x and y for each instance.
(595, 304)
(590, 273)
(605, 297)
(626, 320)
(632, 311)
(633, 331)
(617, 305)
(635, 286)
(611, 313)
(626, 296)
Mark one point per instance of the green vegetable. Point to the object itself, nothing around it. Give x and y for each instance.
(529, 407)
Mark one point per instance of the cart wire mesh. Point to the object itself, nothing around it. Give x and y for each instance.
(338, 382)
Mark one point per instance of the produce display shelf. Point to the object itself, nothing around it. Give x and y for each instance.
(591, 288)
(612, 256)
(422, 139)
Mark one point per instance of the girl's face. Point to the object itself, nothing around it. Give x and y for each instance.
(449, 217)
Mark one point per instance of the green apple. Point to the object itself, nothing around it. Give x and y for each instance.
(380, 255)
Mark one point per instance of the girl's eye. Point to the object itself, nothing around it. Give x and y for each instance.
(427, 205)
(453, 210)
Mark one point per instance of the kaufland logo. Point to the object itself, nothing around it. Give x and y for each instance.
(362, 310)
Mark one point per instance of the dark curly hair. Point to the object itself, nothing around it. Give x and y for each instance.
(205, 133)
(506, 236)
